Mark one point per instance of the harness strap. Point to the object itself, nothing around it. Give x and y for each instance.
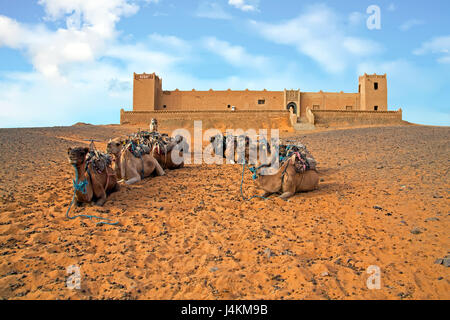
(283, 174)
(142, 170)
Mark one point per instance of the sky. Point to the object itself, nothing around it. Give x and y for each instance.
(68, 61)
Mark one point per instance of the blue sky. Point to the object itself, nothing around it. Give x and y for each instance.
(64, 61)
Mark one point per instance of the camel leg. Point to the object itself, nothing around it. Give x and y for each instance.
(158, 168)
(100, 193)
(267, 194)
(116, 187)
(100, 202)
(287, 195)
(136, 177)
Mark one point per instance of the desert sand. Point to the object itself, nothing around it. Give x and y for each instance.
(383, 200)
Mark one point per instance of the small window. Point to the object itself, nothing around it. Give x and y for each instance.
(228, 106)
(262, 101)
(164, 106)
(359, 88)
(316, 107)
(375, 85)
(375, 108)
(348, 108)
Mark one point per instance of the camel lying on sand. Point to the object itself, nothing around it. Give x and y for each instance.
(286, 179)
(130, 167)
(92, 183)
(235, 148)
(168, 151)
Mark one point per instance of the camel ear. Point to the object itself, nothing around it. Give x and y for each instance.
(68, 150)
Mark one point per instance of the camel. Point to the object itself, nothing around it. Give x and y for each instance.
(164, 148)
(222, 147)
(129, 167)
(236, 148)
(114, 148)
(286, 179)
(92, 183)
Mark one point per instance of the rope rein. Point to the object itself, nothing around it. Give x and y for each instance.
(253, 170)
(82, 187)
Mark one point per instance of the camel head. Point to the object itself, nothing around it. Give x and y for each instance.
(243, 140)
(259, 170)
(114, 146)
(268, 167)
(77, 156)
(217, 142)
(213, 139)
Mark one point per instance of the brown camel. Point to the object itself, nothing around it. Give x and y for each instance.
(97, 184)
(286, 180)
(169, 152)
(130, 167)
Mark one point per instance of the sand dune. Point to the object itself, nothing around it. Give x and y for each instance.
(383, 200)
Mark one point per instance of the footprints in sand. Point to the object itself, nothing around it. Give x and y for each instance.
(189, 235)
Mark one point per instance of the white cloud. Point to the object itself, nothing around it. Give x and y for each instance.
(445, 59)
(211, 10)
(90, 25)
(94, 91)
(245, 5)
(411, 23)
(169, 41)
(81, 70)
(320, 34)
(437, 45)
(235, 55)
(98, 17)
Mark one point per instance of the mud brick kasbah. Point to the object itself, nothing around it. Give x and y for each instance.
(262, 108)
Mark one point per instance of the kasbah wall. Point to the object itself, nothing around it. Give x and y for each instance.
(269, 109)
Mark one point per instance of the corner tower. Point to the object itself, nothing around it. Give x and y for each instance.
(146, 91)
(373, 92)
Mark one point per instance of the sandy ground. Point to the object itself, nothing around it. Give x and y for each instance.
(383, 200)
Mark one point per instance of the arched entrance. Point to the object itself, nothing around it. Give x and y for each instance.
(293, 106)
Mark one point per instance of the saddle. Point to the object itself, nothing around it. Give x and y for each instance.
(137, 149)
(100, 161)
(303, 159)
(164, 144)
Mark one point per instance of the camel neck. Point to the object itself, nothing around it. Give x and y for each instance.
(116, 158)
(80, 170)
